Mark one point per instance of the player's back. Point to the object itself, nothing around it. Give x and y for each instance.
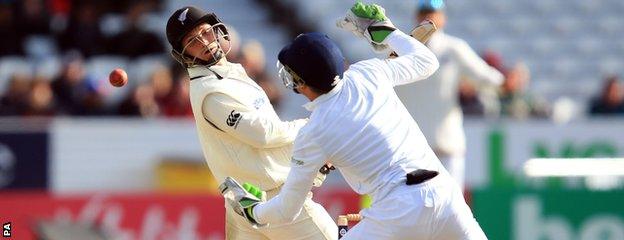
(373, 140)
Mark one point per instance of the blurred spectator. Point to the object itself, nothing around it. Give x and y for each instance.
(611, 100)
(14, 100)
(171, 96)
(494, 60)
(92, 102)
(11, 40)
(162, 83)
(253, 60)
(140, 103)
(469, 100)
(179, 104)
(32, 17)
(515, 102)
(135, 41)
(70, 86)
(40, 100)
(234, 55)
(60, 8)
(83, 32)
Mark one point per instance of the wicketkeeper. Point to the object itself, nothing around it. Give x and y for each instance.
(359, 124)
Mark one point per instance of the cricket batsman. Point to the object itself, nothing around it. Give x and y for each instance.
(239, 131)
(441, 119)
(359, 124)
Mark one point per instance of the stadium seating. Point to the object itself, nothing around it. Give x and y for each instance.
(576, 42)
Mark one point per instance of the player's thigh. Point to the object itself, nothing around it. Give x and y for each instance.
(237, 228)
(459, 223)
(312, 223)
(460, 227)
(456, 167)
(369, 229)
(406, 213)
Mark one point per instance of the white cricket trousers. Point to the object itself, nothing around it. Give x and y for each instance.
(312, 223)
(456, 166)
(433, 210)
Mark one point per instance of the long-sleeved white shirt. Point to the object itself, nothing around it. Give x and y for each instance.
(440, 119)
(362, 128)
(240, 133)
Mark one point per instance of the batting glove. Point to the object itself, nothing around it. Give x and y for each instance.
(243, 199)
(368, 21)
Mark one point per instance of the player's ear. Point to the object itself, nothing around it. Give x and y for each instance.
(300, 88)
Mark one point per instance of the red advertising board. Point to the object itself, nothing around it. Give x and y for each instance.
(135, 216)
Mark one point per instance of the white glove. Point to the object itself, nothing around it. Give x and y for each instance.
(368, 21)
(243, 199)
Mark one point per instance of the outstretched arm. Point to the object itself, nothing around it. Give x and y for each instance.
(415, 61)
(249, 201)
(286, 206)
(474, 66)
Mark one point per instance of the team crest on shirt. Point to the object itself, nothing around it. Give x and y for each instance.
(233, 119)
(258, 103)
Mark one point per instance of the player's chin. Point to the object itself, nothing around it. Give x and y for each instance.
(209, 55)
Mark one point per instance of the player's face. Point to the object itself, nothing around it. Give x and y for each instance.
(201, 42)
(438, 18)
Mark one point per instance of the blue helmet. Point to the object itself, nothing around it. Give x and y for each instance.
(311, 59)
(430, 5)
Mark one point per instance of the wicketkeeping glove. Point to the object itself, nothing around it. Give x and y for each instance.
(243, 199)
(368, 21)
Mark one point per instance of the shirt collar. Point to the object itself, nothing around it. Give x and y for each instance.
(324, 97)
(227, 70)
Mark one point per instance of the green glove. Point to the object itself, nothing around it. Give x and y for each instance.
(243, 199)
(249, 204)
(369, 21)
(254, 190)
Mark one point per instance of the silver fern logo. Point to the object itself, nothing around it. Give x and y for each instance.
(182, 16)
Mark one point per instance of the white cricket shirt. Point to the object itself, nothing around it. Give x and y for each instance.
(441, 118)
(240, 133)
(362, 128)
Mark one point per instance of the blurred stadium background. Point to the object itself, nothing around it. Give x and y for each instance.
(80, 159)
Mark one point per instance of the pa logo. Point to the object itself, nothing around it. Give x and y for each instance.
(6, 229)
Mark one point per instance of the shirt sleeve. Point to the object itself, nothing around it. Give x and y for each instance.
(415, 61)
(308, 158)
(474, 66)
(247, 124)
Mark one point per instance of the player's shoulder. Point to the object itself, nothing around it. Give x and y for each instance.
(307, 134)
(231, 87)
(455, 41)
(369, 69)
(365, 64)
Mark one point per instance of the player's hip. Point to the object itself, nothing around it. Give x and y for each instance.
(414, 201)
